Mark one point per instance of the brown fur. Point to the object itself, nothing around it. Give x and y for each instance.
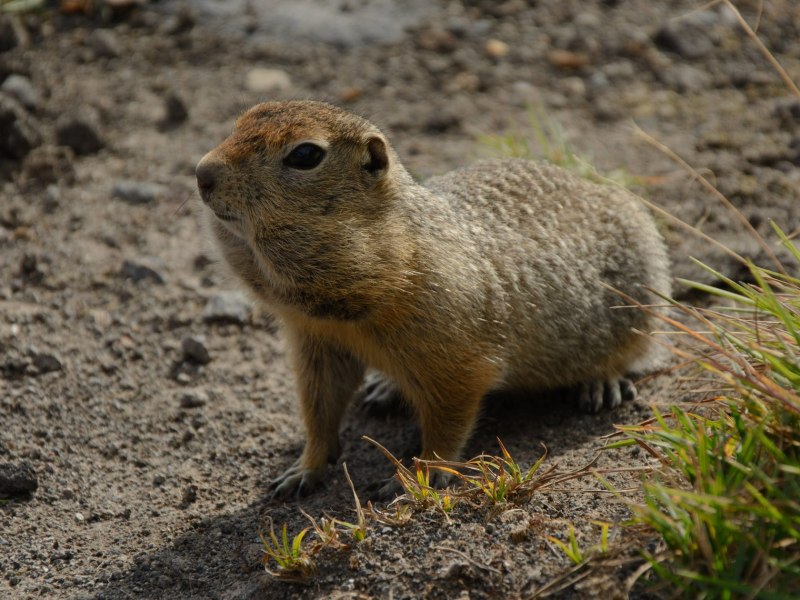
(487, 278)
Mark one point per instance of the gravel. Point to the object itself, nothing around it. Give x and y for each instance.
(131, 419)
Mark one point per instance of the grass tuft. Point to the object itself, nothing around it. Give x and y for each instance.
(295, 563)
(20, 6)
(727, 503)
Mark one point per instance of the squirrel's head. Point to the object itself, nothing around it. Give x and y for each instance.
(308, 187)
(291, 159)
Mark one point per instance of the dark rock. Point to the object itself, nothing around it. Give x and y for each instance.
(80, 131)
(175, 112)
(14, 367)
(17, 479)
(137, 192)
(606, 108)
(787, 110)
(21, 89)
(9, 33)
(184, 19)
(442, 122)
(746, 78)
(227, 307)
(29, 267)
(193, 398)
(195, 350)
(687, 37)
(794, 147)
(201, 261)
(45, 362)
(189, 495)
(105, 43)
(148, 268)
(19, 132)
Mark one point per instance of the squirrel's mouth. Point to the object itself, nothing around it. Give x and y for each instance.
(226, 216)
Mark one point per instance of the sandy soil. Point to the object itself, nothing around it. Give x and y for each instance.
(153, 408)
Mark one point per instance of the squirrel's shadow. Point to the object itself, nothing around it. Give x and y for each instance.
(220, 556)
(525, 423)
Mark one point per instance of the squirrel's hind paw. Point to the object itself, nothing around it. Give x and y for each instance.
(609, 393)
(379, 395)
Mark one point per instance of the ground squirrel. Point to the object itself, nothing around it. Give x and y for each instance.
(493, 277)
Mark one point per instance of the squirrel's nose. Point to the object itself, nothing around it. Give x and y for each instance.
(206, 173)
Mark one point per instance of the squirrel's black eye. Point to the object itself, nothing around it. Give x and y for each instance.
(305, 157)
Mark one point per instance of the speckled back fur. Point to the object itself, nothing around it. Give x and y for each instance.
(551, 243)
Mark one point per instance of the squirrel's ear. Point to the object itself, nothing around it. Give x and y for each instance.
(377, 156)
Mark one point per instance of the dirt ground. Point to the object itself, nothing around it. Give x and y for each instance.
(153, 407)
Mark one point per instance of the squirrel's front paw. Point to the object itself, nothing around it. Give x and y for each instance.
(297, 482)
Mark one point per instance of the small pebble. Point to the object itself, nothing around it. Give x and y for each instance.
(195, 349)
(227, 307)
(46, 363)
(260, 80)
(194, 398)
(105, 43)
(685, 78)
(182, 21)
(137, 192)
(146, 268)
(564, 59)
(496, 48)
(437, 40)
(21, 88)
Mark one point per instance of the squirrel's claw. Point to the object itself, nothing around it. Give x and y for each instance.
(296, 482)
(595, 394)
